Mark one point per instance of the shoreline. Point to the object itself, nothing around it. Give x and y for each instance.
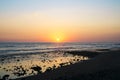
(106, 62)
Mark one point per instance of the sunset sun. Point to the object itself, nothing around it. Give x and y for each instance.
(58, 39)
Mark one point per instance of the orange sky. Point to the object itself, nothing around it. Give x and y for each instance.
(68, 21)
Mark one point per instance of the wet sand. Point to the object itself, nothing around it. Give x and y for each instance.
(105, 66)
(17, 66)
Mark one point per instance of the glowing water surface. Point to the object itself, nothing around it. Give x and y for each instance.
(19, 66)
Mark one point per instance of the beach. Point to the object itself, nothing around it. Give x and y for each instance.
(105, 66)
(68, 61)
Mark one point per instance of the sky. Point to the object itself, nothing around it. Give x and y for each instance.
(60, 20)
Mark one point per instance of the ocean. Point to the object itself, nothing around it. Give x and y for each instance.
(19, 59)
(10, 48)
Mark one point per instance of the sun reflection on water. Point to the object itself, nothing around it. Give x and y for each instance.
(20, 66)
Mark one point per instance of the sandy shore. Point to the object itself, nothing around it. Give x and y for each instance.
(105, 66)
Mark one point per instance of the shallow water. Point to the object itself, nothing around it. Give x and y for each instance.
(19, 66)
